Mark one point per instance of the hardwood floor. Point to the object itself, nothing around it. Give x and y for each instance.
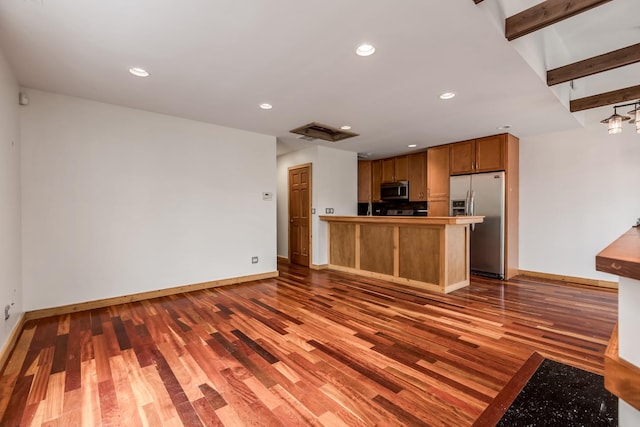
(307, 348)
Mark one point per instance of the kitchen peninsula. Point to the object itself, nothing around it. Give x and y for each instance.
(430, 253)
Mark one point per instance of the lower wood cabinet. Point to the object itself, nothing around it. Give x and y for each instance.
(438, 207)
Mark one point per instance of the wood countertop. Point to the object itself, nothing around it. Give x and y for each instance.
(413, 220)
(622, 257)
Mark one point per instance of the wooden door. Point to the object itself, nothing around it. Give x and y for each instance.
(364, 181)
(462, 157)
(490, 153)
(401, 168)
(388, 169)
(376, 179)
(438, 173)
(299, 214)
(418, 177)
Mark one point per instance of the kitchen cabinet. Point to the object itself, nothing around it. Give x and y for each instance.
(395, 169)
(376, 179)
(438, 180)
(364, 181)
(486, 154)
(417, 176)
(402, 168)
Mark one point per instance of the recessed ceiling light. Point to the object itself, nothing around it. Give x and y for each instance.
(345, 127)
(140, 72)
(503, 127)
(447, 95)
(365, 50)
(266, 106)
(412, 145)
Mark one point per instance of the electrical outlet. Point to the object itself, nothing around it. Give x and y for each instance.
(328, 210)
(254, 260)
(6, 312)
(313, 211)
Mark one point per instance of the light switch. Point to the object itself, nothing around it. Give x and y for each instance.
(267, 196)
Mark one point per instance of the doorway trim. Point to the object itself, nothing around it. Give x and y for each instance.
(310, 225)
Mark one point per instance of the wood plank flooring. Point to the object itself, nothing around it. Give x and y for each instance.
(306, 348)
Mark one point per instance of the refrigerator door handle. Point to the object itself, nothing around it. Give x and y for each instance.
(466, 203)
(472, 209)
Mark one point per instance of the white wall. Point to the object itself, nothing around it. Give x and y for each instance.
(336, 187)
(10, 279)
(334, 183)
(118, 201)
(578, 193)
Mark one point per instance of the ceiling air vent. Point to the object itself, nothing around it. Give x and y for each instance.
(320, 131)
(307, 138)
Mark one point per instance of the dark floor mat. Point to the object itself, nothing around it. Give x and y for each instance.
(561, 395)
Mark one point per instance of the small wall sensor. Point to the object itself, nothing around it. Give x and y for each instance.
(23, 98)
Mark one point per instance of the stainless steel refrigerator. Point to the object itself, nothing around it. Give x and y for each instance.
(482, 194)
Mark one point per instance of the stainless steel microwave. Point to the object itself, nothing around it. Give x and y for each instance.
(394, 190)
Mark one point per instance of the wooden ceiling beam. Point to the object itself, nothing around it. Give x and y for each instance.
(608, 98)
(597, 64)
(544, 14)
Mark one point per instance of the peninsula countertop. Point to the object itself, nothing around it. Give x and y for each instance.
(413, 220)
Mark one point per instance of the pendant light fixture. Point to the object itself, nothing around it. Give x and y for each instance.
(614, 122)
(635, 116)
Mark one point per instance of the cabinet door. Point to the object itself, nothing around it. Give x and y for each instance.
(401, 168)
(490, 153)
(438, 173)
(388, 169)
(364, 181)
(376, 179)
(418, 177)
(462, 157)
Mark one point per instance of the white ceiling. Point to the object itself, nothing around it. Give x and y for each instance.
(216, 60)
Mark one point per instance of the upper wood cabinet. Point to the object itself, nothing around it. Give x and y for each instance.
(364, 181)
(486, 154)
(462, 157)
(437, 174)
(395, 169)
(388, 168)
(417, 176)
(402, 168)
(412, 168)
